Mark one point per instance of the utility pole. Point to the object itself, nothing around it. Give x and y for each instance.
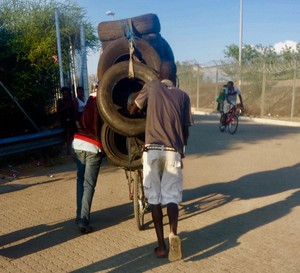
(72, 67)
(241, 43)
(84, 70)
(61, 76)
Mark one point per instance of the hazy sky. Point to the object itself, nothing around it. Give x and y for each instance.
(200, 30)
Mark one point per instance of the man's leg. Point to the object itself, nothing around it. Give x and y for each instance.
(80, 163)
(172, 195)
(174, 239)
(93, 162)
(223, 119)
(152, 167)
(157, 217)
(226, 108)
(172, 211)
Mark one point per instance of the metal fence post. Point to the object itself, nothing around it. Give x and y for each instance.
(61, 76)
(294, 89)
(263, 91)
(198, 85)
(217, 80)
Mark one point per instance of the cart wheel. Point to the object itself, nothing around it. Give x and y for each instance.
(139, 199)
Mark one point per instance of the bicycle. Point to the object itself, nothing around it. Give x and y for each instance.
(136, 194)
(231, 120)
(136, 189)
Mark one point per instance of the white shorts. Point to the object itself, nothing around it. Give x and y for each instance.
(162, 177)
(227, 106)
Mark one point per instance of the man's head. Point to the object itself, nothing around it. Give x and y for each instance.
(80, 91)
(168, 71)
(230, 85)
(95, 87)
(66, 91)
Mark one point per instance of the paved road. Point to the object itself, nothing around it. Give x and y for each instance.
(240, 211)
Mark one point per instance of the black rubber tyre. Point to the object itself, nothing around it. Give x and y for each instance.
(118, 51)
(143, 24)
(155, 40)
(114, 92)
(116, 148)
(105, 44)
(168, 52)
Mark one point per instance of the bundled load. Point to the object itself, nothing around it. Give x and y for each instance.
(133, 50)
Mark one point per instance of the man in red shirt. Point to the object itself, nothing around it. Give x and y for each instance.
(88, 158)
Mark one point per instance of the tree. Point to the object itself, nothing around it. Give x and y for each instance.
(262, 67)
(249, 53)
(28, 45)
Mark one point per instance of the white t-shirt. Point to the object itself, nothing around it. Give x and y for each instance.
(81, 105)
(232, 95)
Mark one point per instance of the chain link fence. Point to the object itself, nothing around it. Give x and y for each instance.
(269, 89)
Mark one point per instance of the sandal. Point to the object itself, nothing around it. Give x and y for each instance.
(175, 248)
(158, 253)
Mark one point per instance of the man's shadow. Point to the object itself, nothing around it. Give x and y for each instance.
(217, 237)
(223, 235)
(220, 236)
(37, 238)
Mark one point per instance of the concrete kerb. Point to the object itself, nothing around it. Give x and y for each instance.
(258, 120)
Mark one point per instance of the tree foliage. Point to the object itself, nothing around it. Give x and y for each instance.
(252, 53)
(28, 46)
(258, 59)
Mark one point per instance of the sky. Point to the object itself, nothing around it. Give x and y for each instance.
(199, 30)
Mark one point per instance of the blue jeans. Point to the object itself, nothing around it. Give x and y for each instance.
(88, 166)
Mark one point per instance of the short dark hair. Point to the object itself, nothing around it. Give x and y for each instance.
(168, 71)
(65, 88)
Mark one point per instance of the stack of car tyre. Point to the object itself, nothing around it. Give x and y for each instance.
(132, 52)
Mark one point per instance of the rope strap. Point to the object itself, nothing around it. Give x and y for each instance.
(129, 34)
(131, 51)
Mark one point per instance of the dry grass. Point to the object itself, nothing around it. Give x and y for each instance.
(277, 102)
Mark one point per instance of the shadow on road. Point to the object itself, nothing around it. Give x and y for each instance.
(224, 234)
(202, 242)
(220, 236)
(37, 238)
(212, 239)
